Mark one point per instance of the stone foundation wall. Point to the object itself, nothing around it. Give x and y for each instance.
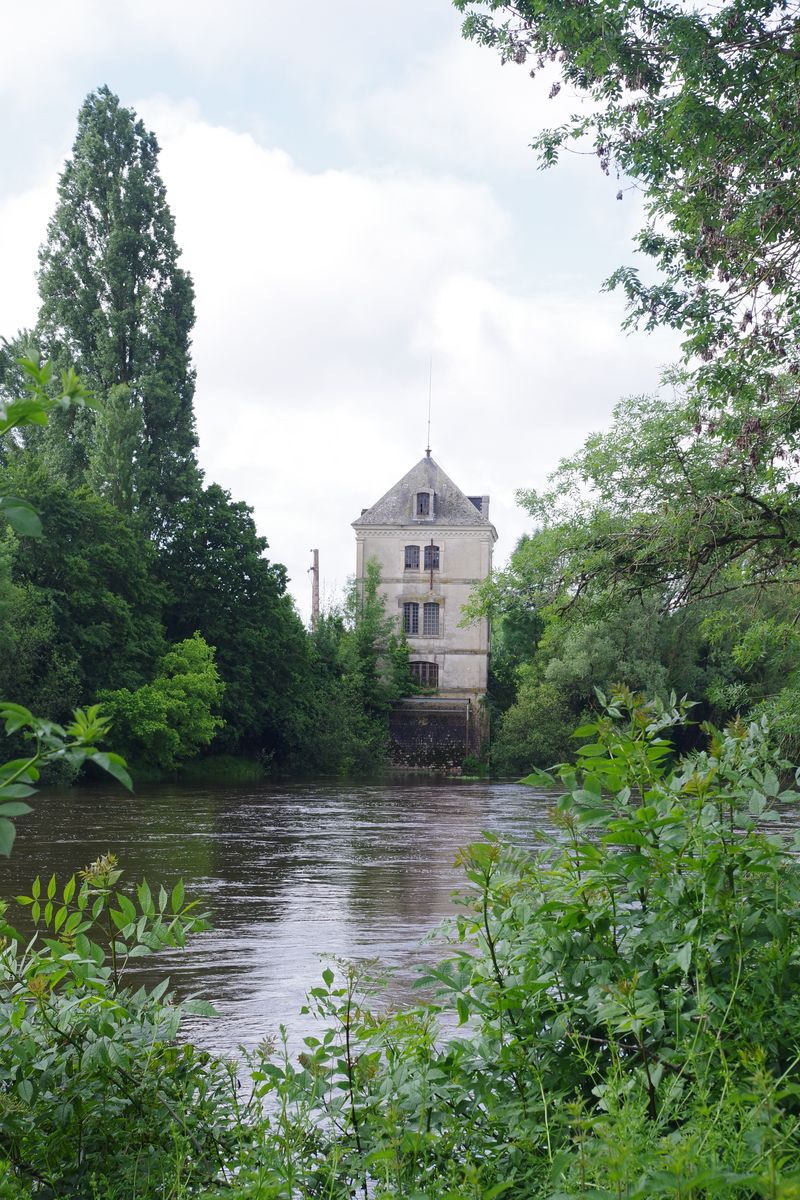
(432, 733)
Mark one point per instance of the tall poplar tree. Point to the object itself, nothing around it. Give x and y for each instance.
(116, 304)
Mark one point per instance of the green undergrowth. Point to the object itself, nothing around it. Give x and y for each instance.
(223, 768)
(615, 1015)
(214, 769)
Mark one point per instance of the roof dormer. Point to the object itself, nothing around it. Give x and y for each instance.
(424, 505)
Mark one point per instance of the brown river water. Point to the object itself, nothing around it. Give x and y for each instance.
(291, 872)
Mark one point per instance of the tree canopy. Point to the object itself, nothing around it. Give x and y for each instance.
(696, 105)
(116, 304)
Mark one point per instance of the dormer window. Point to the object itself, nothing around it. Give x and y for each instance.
(412, 558)
(423, 504)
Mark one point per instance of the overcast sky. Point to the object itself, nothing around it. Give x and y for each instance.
(354, 196)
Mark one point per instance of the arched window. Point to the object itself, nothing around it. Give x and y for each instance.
(431, 558)
(411, 617)
(412, 558)
(424, 504)
(430, 620)
(426, 674)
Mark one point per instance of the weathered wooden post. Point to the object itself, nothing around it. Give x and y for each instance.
(315, 590)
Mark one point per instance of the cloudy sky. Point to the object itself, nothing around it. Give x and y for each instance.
(355, 198)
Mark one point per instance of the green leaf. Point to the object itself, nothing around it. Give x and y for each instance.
(771, 784)
(115, 765)
(7, 834)
(176, 898)
(21, 516)
(200, 1008)
(539, 779)
(16, 791)
(127, 908)
(14, 809)
(683, 957)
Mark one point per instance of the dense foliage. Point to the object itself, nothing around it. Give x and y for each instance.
(176, 716)
(360, 661)
(118, 307)
(98, 1099)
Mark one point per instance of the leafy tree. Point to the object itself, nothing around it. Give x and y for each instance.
(43, 742)
(93, 578)
(697, 105)
(535, 730)
(670, 499)
(116, 304)
(359, 667)
(375, 652)
(220, 583)
(173, 718)
(115, 449)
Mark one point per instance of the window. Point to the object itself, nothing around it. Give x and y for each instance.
(411, 618)
(426, 674)
(423, 504)
(412, 558)
(431, 558)
(430, 620)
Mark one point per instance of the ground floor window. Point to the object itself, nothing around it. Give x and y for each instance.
(411, 618)
(430, 620)
(426, 674)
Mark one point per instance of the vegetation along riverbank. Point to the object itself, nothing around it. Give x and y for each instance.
(626, 999)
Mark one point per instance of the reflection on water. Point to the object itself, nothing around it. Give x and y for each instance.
(290, 871)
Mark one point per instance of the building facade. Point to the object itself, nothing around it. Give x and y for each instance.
(433, 544)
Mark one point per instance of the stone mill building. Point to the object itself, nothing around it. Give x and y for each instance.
(433, 543)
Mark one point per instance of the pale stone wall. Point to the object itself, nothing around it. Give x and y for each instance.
(465, 558)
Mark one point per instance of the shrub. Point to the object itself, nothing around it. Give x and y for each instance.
(98, 1098)
(174, 717)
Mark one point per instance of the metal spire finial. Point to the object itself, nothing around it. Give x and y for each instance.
(430, 388)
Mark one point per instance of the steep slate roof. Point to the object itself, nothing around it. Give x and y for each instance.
(451, 506)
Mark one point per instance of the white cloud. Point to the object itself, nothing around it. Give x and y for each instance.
(23, 222)
(321, 297)
(454, 105)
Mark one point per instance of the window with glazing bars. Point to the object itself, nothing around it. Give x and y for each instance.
(412, 558)
(411, 618)
(426, 674)
(423, 504)
(430, 620)
(431, 558)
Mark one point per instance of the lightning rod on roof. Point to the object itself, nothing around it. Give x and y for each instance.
(430, 389)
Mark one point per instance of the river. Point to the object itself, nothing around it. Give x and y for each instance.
(291, 871)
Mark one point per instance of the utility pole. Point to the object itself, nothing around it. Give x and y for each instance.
(314, 569)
